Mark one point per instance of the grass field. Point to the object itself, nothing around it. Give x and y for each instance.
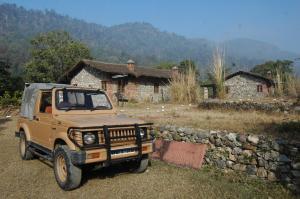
(242, 122)
(35, 179)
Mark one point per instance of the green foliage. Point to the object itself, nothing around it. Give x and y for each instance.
(184, 65)
(166, 65)
(283, 66)
(52, 54)
(9, 83)
(11, 99)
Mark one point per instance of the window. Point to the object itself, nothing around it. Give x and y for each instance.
(45, 104)
(82, 100)
(259, 88)
(156, 88)
(104, 85)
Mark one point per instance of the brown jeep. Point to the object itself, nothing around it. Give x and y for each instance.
(73, 127)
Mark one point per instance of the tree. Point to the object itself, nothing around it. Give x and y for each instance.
(184, 65)
(9, 83)
(166, 65)
(4, 77)
(52, 54)
(283, 66)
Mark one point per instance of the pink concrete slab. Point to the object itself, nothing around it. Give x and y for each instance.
(180, 153)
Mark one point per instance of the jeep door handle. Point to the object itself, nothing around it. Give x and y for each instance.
(53, 128)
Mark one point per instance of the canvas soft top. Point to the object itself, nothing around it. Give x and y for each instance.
(30, 95)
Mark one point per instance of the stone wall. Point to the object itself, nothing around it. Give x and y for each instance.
(256, 155)
(245, 87)
(275, 106)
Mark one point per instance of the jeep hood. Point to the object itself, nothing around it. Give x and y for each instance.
(97, 120)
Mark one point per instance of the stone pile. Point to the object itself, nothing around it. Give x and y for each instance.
(285, 107)
(256, 155)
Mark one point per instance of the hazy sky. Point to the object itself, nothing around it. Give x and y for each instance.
(273, 21)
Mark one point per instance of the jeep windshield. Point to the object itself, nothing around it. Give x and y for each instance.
(68, 99)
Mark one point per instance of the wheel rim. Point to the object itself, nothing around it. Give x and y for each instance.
(22, 146)
(61, 168)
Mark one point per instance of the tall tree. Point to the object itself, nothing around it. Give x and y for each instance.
(283, 66)
(52, 54)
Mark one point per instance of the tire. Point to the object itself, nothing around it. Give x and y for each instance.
(141, 165)
(67, 175)
(25, 153)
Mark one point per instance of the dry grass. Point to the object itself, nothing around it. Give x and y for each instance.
(184, 87)
(191, 116)
(219, 72)
(35, 179)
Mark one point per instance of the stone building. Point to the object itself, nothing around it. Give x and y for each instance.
(127, 80)
(246, 85)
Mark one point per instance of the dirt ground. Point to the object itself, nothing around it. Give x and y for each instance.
(35, 179)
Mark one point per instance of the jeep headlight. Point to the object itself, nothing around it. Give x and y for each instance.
(89, 138)
(143, 132)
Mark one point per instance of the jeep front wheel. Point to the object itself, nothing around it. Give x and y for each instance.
(67, 175)
(25, 153)
(142, 165)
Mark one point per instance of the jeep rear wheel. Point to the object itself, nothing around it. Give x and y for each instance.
(67, 175)
(25, 153)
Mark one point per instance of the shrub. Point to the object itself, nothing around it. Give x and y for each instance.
(8, 99)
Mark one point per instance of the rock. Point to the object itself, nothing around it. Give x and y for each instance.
(296, 173)
(218, 142)
(296, 165)
(275, 146)
(251, 169)
(236, 151)
(293, 151)
(284, 168)
(181, 130)
(229, 143)
(221, 164)
(202, 135)
(253, 161)
(267, 156)
(212, 139)
(229, 163)
(285, 178)
(274, 155)
(261, 172)
(242, 138)
(176, 137)
(271, 176)
(247, 153)
(261, 162)
(253, 139)
(283, 158)
(239, 167)
(273, 166)
(232, 157)
(231, 137)
(248, 146)
(264, 146)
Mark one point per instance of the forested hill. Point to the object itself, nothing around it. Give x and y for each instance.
(139, 41)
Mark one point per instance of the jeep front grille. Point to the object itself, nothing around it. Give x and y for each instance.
(118, 136)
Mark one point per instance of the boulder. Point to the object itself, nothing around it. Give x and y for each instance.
(251, 169)
(261, 172)
(253, 139)
(296, 173)
(231, 137)
(283, 158)
(232, 157)
(220, 164)
(242, 138)
(239, 167)
(296, 165)
(271, 176)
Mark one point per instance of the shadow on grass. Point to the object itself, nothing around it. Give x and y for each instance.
(289, 130)
(3, 121)
(105, 172)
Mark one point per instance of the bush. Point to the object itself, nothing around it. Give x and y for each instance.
(11, 99)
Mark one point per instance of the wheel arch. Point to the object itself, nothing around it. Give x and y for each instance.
(23, 127)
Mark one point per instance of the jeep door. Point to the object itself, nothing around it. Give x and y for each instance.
(43, 129)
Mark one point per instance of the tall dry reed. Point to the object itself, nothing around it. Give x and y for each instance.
(184, 87)
(219, 72)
